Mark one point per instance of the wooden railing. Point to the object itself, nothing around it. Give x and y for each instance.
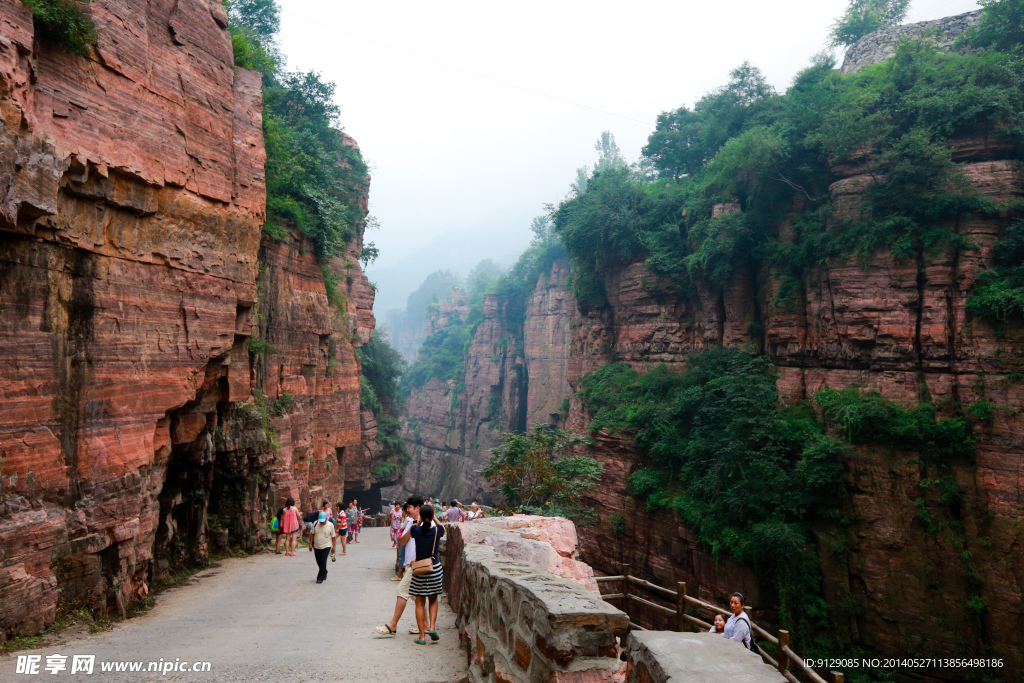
(789, 663)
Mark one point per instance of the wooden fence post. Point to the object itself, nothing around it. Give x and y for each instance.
(783, 657)
(625, 590)
(681, 624)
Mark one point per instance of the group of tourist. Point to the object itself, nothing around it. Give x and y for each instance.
(455, 512)
(416, 529)
(417, 532)
(323, 529)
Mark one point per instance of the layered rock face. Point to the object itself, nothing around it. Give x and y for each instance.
(901, 328)
(513, 378)
(451, 425)
(898, 326)
(136, 426)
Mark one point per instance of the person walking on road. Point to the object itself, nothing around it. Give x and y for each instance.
(426, 586)
(322, 541)
(412, 512)
(291, 527)
(395, 522)
(341, 527)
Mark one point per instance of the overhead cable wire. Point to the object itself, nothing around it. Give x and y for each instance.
(467, 71)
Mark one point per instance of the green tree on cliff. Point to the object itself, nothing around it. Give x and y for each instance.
(64, 23)
(538, 472)
(314, 180)
(867, 16)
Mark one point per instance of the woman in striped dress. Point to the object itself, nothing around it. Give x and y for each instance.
(426, 587)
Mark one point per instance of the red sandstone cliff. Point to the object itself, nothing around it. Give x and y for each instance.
(896, 326)
(135, 421)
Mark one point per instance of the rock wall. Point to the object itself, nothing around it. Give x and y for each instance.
(137, 427)
(878, 46)
(520, 622)
(514, 377)
(896, 326)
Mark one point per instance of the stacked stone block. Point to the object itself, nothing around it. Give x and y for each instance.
(520, 623)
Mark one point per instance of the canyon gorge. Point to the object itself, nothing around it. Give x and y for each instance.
(170, 373)
(180, 352)
(899, 580)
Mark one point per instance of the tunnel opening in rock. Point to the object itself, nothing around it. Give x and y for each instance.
(367, 498)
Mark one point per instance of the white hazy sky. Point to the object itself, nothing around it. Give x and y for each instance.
(455, 153)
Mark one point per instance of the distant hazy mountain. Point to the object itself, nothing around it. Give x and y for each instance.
(458, 251)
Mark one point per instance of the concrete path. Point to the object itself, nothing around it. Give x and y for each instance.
(264, 618)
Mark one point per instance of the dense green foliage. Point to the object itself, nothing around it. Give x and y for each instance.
(771, 158)
(537, 472)
(314, 181)
(63, 23)
(442, 355)
(515, 286)
(867, 16)
(748, 476)
(1000, 27)
(380, 391)
(998, 295)
(868, 418)
(752, 477)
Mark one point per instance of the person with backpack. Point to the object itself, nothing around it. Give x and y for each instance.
(738, 627)
(322, 541)
(427, 572)
(277, 526)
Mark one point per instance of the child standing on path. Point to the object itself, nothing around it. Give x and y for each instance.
(278, 526)
(342, 527)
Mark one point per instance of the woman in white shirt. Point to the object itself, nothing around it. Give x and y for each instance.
(738, 626)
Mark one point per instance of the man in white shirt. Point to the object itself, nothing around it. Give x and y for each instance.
(412, 511)
(474, 512)
(322, 540)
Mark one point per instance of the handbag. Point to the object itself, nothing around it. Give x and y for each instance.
(426, 565)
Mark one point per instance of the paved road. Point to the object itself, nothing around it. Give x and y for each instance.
(264, 618)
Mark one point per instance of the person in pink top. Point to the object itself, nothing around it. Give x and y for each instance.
(291, 527)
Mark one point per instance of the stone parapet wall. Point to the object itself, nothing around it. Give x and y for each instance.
(520, 622)
(879, 46)
(664, 656)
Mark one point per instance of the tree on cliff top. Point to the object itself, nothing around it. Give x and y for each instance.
(867, 16)
(314, 180)
(1000, 26)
